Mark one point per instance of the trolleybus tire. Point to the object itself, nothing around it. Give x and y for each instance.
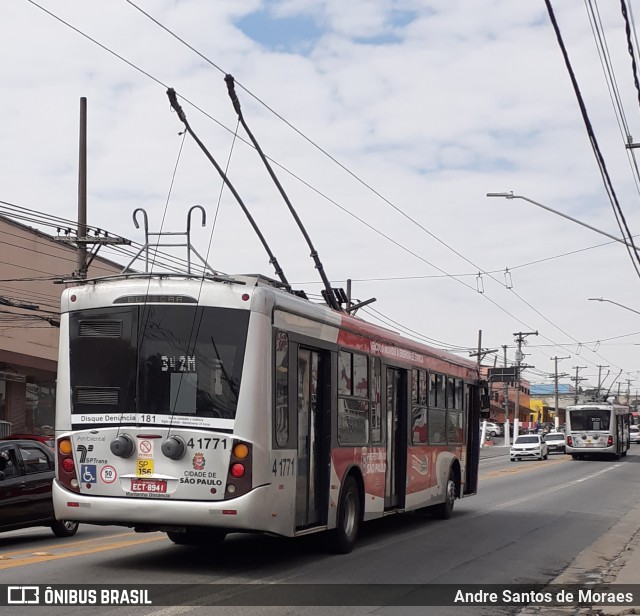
(192, 536)
(344, 536)
(64, 528)
(444, 510)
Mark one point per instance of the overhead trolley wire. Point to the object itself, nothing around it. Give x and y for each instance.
(499, 306)
(617, 209)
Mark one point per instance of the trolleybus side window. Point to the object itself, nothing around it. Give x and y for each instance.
(419, 411)
(353, 399)
(377, 432)
(455, 415)
(281, 418)
(437, 409)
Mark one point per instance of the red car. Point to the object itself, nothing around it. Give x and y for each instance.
(26, 477)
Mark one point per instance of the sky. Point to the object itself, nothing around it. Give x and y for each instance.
(388, 122)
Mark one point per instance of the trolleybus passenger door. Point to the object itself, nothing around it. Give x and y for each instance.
(311, 402)
(395, 478)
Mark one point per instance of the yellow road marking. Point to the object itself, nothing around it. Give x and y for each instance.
(65, 546)
(523, 468)
(20, 562)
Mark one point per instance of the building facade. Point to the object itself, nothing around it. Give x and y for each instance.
(29, 318)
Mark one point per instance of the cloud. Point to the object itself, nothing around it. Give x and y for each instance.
(430, 105)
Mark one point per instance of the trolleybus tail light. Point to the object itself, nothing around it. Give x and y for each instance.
(239, 477)
(569, 441)
(610, 441)
(66, 468)
(237, 471)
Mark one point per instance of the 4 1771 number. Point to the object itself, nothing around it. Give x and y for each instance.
(283, 468)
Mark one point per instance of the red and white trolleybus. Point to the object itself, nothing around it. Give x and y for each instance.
(201, 407)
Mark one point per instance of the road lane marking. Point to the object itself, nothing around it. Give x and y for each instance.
(65, 546)
(21, 562)
(521, 468)
(563, 486)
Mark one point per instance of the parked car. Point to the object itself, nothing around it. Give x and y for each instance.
(556, 442)
(26, 477)
(529, 446)
(43, 438)
(634, 434)
(494, 429)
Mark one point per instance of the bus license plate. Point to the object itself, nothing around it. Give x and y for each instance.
(148, 485)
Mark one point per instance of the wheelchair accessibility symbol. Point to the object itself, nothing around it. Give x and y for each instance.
(88, 473)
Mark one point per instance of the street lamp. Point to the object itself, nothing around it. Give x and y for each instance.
(602, 299)
(510, 195)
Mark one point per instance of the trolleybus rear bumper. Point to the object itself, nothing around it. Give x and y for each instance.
(247, 512)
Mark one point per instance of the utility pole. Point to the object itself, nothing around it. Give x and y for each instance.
(600, 379)
(520, 337)
(506, 400)
(556, 359)
(480, 354)
(82, 191)
(577, 380)
(81, 240)
(628, 392)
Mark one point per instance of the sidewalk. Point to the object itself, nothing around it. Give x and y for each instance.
(614, 558)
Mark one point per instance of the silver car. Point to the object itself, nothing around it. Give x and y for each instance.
(532, 446)
(634, 434)
(556, 442)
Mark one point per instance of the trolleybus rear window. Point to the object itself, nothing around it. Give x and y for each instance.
(182, 360)
(590, 419)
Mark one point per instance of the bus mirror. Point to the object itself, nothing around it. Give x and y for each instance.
(485, 402)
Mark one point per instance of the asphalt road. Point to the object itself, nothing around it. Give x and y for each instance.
(527, 523)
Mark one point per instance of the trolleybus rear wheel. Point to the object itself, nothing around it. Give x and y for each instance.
(344, 536)
(444, 510)
(64, 528)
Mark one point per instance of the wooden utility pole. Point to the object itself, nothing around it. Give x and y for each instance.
(82, 191)
(556, 359)
(520, 336)
(80, 240)
(577, 380)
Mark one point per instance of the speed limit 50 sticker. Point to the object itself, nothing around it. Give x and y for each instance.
(108, 474)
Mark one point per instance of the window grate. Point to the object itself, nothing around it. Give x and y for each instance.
(104, 396)
(100, 329)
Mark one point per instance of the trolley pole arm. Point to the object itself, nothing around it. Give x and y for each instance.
(331, 300)
(173, 99)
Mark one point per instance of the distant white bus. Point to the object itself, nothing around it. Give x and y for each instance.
(597, 428)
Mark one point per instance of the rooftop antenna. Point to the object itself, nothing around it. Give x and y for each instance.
(173, 99)
(333, 297)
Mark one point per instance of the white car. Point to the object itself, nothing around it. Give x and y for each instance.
(634, 434)
(556, 442)
(494, 429)
(529, 446)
